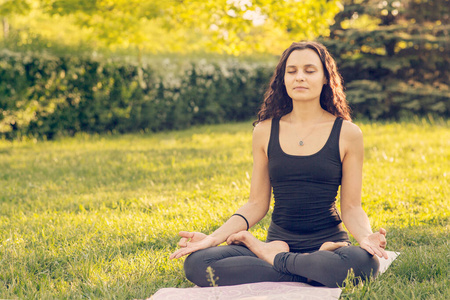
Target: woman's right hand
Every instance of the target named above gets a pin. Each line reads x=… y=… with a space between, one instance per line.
x=191 y=242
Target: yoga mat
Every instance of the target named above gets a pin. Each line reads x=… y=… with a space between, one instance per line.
x=261 y=290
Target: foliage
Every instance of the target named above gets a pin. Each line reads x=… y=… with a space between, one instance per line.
x=246 y=27
x=394 y=56
x=45 y=95
x=152 y=26
x=96 y=216
x=8 y=7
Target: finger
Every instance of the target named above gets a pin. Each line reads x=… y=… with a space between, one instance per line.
x=368 y=249
x=198 y=236
x=234 y=241
x=383 y=253
x=377 y=252
x=177 y=255
x=382 y=241
x=230 y=239
x=186 y=234
x=180 y=253
x=382 y=231
x=174 y=255
x=183 y=242
x=185 y=237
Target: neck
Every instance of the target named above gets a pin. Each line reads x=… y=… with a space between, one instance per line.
x=306 y=113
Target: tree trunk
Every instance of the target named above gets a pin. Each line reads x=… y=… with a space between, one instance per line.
x=5 y=28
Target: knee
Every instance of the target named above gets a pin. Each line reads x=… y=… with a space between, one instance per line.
x=363 y=263
x=195 y=269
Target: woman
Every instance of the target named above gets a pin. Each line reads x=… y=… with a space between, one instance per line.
x=304 y=147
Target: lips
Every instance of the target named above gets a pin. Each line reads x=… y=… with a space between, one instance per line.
x=300 y=88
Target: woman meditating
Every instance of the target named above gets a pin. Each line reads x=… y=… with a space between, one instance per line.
x=304 y=147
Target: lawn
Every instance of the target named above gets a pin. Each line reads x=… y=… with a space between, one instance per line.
x=96 y=216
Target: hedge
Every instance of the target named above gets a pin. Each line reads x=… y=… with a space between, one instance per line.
x=48 y=96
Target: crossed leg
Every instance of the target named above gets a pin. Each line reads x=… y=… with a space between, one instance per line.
x=268 y=251
x=256 y=261
x=232 y=264
x=329 y=266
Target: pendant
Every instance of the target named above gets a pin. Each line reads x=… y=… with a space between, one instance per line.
x=301 y=143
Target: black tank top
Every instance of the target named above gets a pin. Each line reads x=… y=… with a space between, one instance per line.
x=305 y=187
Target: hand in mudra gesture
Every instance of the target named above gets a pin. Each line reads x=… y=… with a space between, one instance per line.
x=375 y=243
x=191 y=242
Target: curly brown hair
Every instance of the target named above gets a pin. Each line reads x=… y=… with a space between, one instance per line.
x=277 y=102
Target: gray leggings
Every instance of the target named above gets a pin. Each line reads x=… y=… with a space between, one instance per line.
x=235 y=264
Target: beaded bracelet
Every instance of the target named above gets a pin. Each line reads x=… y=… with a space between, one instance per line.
x=248 y=226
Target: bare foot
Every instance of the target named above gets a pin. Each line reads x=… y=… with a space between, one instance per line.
x=265 y=251
x=331 y=246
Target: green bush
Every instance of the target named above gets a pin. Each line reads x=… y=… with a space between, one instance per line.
x=44 y=95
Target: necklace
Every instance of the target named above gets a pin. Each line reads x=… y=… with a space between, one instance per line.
x=301 y=142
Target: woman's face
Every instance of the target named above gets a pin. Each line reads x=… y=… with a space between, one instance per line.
x=304 y=76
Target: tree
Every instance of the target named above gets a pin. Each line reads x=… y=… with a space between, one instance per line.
x=394 y=56
x=11 y=7
x=244 y=26
x=224 y=26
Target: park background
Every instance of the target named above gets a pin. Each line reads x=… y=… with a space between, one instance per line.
x=123 y=122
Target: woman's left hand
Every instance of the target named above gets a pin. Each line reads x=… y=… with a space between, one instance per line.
x=375 y=243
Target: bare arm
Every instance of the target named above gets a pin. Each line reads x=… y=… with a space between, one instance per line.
x=353 y=215
x=254 y=210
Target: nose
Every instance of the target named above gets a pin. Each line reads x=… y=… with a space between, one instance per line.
x=300 y=76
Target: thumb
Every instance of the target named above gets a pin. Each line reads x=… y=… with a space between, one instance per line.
x=185 y=237
x=186 y=234
x=382 y=238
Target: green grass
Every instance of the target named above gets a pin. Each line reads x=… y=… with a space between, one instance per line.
x=97 y=216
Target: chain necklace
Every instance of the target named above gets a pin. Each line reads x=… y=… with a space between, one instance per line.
x=301 y=142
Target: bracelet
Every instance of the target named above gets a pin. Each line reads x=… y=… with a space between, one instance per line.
x=248 y=226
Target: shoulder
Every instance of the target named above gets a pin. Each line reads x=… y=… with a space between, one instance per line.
x=351 y=141
x=261 y=133
x=350 y=132
x=262 y=128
